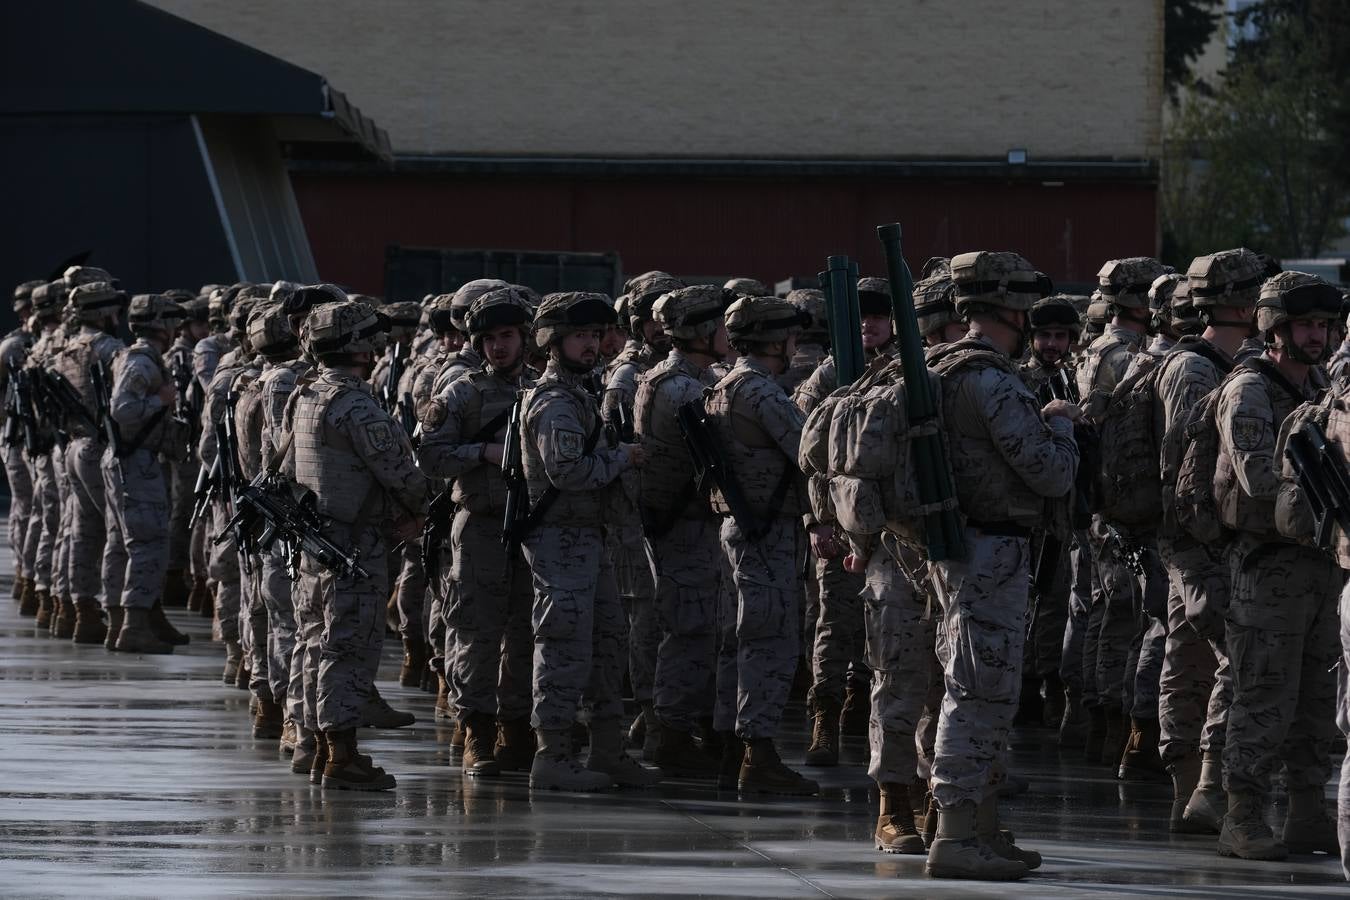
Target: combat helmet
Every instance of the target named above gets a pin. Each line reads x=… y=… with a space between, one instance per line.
x=23 y=295
x=996 y=279
x=75 y=276
x=96 y=300
x=404 y=316
x=1226 y=278
x=1125 y=283
x=48 y=300
x=810 y=301
x=343 y=328
x=643 y=291
x=691 y=313
x=1094 y=320
x=463 y=299
x=1055 y=311
x=561 y=314
x=874 y=296
x=763 y=320
x=935 y=303
x=270 y=334
x=747 y=287
x=153 y=313
x=501 y=308
x=1296 y=295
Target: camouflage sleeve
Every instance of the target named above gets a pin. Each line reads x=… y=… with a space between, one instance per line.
x=445 y=451
x=108 y=347
x=135 y=395
x=380 y=374
x=776 y=414
x=205 y=358
x=819 y=385
x=381 y=444
x=1247 y=432
x=1042 y=453
x=620 y=391
x=560 y=437
x=213 y=408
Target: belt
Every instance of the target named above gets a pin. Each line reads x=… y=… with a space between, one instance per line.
x=1000 y=529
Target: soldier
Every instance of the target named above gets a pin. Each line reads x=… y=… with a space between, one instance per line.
x=813 y=344
x=488 y=648
x=1338 y=366
x=1281 y=633
x=759 y=430
x=359 y=464
x=13 y=352
x=206 y=355
x=184 y=578
x=579 y=628
x=1008 y=456
x=681 y=529
x=133 y=477
x=647 y=345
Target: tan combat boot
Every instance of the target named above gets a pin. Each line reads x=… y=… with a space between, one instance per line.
x=43 y=616
x=175 y=589
x=958 y=852
x=414 y=662
x=349 y=770
x=1308 y=828
x=514 y=750
x=608 y=756
x=89 y=626
x=680 y=757
x=1141 y=761
x=556 y=768
x=762 y=772
x=1208 y=804
x=116 y=615
x=16 y=589
x=1245 y=833
x=895 y=831
x=1185 y=774
x=290 y=735
x=443 y=712
x=136 y=635
x=28 y=600
x=163 y=628
x=63 y=623
x=480 y=738
x=824 y=749
x=318 y=761
x=269 y=720
x=234 y=659
x=306 y=745
x=1000 y=841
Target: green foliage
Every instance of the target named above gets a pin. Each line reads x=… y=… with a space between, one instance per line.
x=1187 y=28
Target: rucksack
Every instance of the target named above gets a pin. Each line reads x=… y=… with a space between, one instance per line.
x=1128 y=487
x=1176 y=438
x=1193 y=507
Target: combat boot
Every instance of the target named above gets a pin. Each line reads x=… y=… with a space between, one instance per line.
x=377 y=713
x=208 y=607
x=895 y=831
x=1073 y=723
x=824 y=749
x=234 y=659
x=729 y=770
x=43 y=617
x=1308 y=828
x=762 y=772
x=637 y=731
x=269 y=720
x=89 y=627
x=555 y=766
x=680 y=757
x=958 y=852
x=136 y=635
x=116 y=614
x=175 y=589
x=349 y=770
x=320 y=759
x=306 y=747
x=63 y=623
x=1245 y=833
x=930 y=821
x=244 y=675
x=16 y=589
x=608 y=756
x=393 y=619
x=443 y=712
x=414 y=662
x=289 y=736
x=1001 y=841
x=1096 y=733
x=163 y=628
x=1185 y=774
x=1206 y=808
x=857 y=709
x=480 y=736
x=1140 y=761
x=515 y=745
x=1113 y=741
x=28 y=600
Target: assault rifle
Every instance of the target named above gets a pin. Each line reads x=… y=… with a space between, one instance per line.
x=440 y=516
x=406 y=415
x=99 y=377
x=517 y=514
x=711 y=463
x=1129 y=552
x=206 y=491
x=398 y=364
x=1321 y=473
x=267 y=512
x=13 y=434
x=23 y=410
x=64 y=403
x=188 y=403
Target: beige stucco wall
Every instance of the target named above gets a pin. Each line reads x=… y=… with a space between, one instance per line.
x=713 y=78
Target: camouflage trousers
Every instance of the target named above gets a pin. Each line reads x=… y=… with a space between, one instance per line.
x=840 y=633
x=88 y=523
x=1073 y=650
x=1343 y=722
x=1116 y=621
x=901 y=630
x=274 y=642
x=139 y=501
x=636 y=585
x=1196 y=686
x=580 y=631
x=223 y=566
x=687 y=561
x=984 y=608
x=410 y=592
x=20 y=503
x=767 y=581
x=1050 y=615
x=253 y=627
x=489 y=643
x=302 y=690
x=724 y=700
x=343 y=625
x=182 y=478
x=45 y=521
x=1282 y=641
x=63 y=559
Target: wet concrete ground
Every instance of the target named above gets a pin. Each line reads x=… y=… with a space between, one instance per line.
x=130 y=776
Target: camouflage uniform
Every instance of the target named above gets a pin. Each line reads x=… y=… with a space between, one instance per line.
x=182 y=476
x=13 y=351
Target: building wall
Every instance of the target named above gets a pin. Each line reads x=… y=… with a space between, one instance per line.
x=709 y=78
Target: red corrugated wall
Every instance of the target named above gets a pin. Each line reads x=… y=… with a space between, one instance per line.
x=767 y=229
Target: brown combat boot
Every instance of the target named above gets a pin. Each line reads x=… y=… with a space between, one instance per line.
x=16 y=589
x=1208 y=804
x=392 y=617
x=175 y=589
x=194 y=600
x=762 y=772
x=89 y=626
x=28 y=600
x=1245 y=833
x=163 y=628
x=609 y=757
x=269 y=720
x=306 y=745
x=998 y=839
x=414 y=662
x=824 y=749
x=208 y=608
x=43 y=616
x=137 y=636
x=1140 y=761
x=515 y=747
x=234 y=661
x=480 y=738
x=1308 y=828
x=290 y=736
x=958 y=851
x=63 y=624
x=443 y=712
x=116 y=615
x=1185 y=774
x=895 y=831
x=349 y=770
x=680 y=757
x=319 y=761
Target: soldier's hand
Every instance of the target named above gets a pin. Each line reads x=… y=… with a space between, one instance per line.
x=637 y=454
x=823 y=544
x=492 y=453
x=1062 y=408
x=407 y=528
x=168 y=393
x=855 y=564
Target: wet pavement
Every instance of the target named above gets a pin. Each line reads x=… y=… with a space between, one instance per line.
x=136 y=776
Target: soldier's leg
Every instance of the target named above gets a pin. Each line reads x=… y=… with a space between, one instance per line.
x=114 y=563
x=836 y=647
x=1071 y=672
x=515 y=741
x=32 y=532
x=1119 y=630
x=637 y=593
x=353 y=632
x=88 y=530
x=566 y=564
x=48 y=500
x=275 y=589
x=61 y=567
x=410 y=591
x=1307 y=746
x=224 y=570
x=724 y=706
x=145 y=524
x=182 y=479
x=20 y=504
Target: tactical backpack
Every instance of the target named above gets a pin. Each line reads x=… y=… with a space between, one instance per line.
x=1184 y=430
x=1128 y=487
x=1194 y=509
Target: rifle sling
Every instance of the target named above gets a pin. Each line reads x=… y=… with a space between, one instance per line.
x=135 y=443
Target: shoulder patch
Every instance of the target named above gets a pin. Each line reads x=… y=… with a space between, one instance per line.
x=1247 y=432
x=436 y=414
x=570 y=444
x=380 y=436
